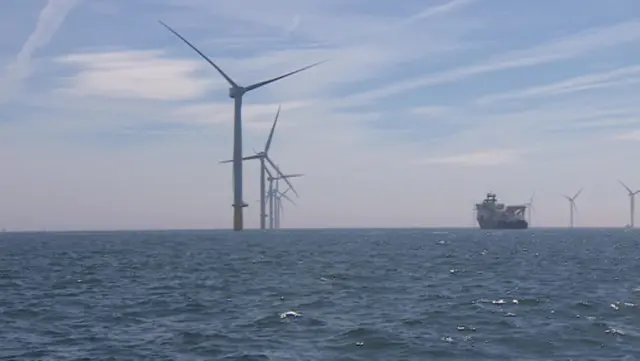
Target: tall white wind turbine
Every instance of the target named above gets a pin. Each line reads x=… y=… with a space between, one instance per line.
x=632 y=203
x=572 y=206
x=236 y=92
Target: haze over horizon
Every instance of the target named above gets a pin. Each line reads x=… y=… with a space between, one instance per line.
x=108 y=121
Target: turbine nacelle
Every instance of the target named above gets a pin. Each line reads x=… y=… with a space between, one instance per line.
x=236 y=92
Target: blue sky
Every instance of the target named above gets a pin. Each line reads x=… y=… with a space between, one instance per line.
x=108 y=121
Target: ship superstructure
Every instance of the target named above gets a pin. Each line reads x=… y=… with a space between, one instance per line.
x=491 y=214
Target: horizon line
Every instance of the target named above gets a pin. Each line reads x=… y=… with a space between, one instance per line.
x=258 y=230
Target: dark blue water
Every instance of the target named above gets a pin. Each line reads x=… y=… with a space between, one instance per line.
x=353 y=295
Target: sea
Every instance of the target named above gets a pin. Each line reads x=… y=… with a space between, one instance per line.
x=350 y=294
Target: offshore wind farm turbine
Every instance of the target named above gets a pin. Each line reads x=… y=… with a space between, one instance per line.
x=236 y=92
x=274 y=190
x=572 y=206
x=279 y=209
x=632 y=205
x=264 y=156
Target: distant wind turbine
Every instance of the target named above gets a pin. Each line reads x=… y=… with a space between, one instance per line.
x=236 y=92
x=264 y=156
x=274 y=191
x=279 y=209
x=530 y=207
x=632 y=202
x=572 y=206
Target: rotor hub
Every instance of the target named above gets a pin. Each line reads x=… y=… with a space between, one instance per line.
x=235 y=92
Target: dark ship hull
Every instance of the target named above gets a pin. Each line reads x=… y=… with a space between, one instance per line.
x=515 y=224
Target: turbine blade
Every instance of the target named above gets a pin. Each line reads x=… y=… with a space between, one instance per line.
x=244 y=158
x=282 y=176
x=273 y=128
x=289 y=199
x=636 y=192
x=263 y=83
x=268 y=172
x=625 y=186
x=577 y=194
x=229 y=80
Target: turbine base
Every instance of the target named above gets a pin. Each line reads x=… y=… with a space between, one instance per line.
x=238 y=221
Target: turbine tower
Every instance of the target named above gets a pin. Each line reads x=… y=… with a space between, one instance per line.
x=264 y=156
x=632 y=202
x=236 y=92
x=530 y=207
x=572 y=206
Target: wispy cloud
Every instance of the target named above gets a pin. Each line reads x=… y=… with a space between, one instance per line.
x=428 y=111
x=546 y=125
x=559 y=49
x=429 y=12
x=50 y=19
x=622 y=76
x=136 y=74
x=475 y=159
x=633 y=135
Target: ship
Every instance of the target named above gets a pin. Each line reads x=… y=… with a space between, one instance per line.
x=493 y=215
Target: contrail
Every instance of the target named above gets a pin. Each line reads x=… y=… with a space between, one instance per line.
x=444 y=8
x=450 y=6
x=49 y=20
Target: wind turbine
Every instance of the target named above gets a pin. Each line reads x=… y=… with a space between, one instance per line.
x=264 y=156
x=236 y=92
x=274 y=190
x=632 y=202
x=530 y=206
x=572 y=206
x=279 y=209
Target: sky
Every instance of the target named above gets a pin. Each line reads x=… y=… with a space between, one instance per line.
x=108 y=121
